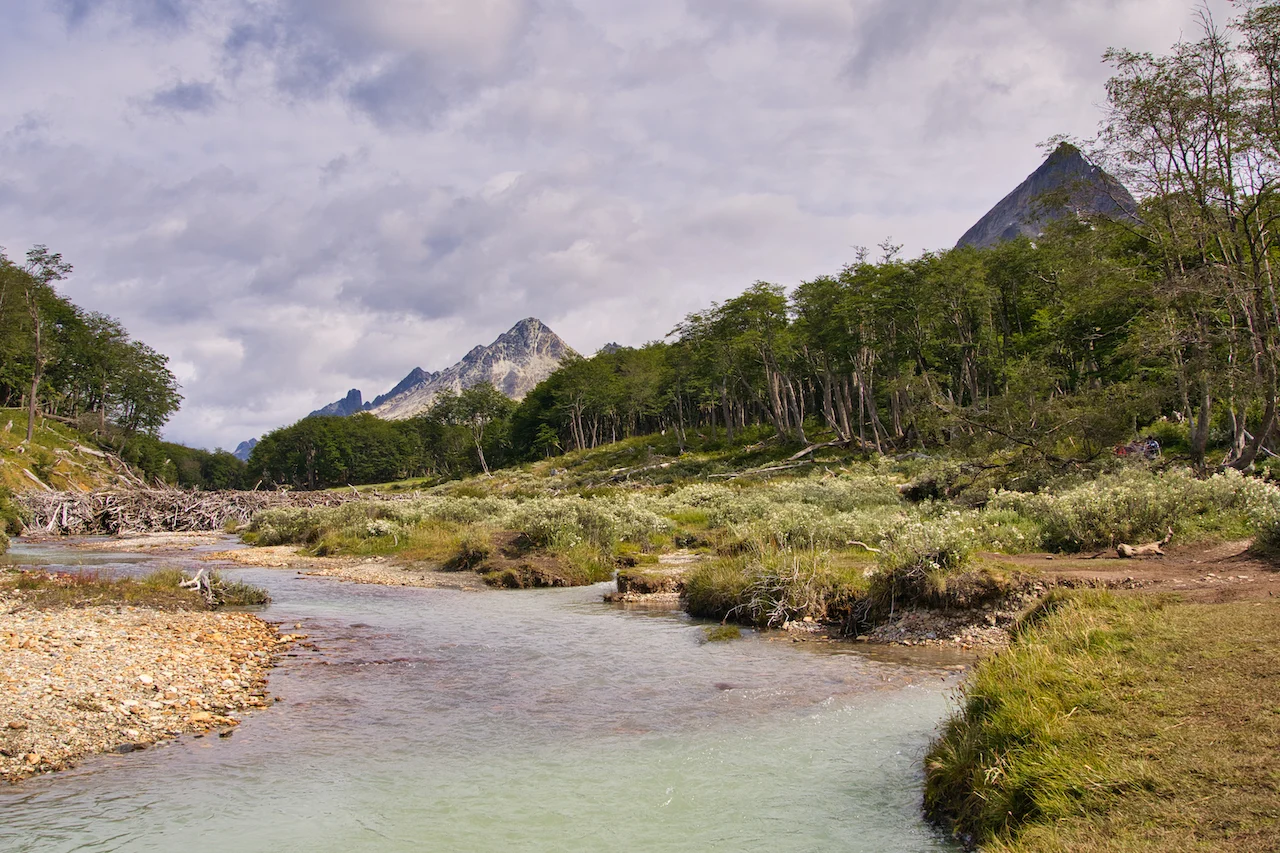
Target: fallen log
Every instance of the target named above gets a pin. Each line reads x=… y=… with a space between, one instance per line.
x=1151 y=549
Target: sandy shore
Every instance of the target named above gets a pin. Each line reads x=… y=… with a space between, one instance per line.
x=80 y=681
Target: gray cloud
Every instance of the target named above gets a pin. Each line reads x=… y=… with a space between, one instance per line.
x=364 y=188
x=183 y=97
x=151 y=14
x=401 y=63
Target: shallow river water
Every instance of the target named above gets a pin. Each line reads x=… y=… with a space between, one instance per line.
x=525 y=721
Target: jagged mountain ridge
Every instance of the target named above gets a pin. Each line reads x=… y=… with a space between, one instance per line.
x=1067 y=183
x=518 y=360
x=348 y=405
x=416 y=379
x=244 y=448
x=354 y=402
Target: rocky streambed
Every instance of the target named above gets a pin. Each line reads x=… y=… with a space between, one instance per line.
x=80 y=681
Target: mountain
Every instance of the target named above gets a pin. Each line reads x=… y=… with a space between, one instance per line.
x=244 y=448
x=517 y=361
x=1067 y=183
x=416 y=379
x=348 y=405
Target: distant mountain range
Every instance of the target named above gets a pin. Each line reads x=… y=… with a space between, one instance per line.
x=518 y=360
x=1066 y=184
x=244 y=448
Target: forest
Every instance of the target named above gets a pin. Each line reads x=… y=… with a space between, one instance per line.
x=83 y=368
x=1054 y=350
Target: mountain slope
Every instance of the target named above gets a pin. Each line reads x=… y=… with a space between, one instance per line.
x=58 y=458
x=1067 y=183
x=517 y=361
x=348 y=405
x=416 y=379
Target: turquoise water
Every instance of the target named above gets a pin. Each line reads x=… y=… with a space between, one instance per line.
x=543 y=720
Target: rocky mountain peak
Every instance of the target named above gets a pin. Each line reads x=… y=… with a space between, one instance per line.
x=515 y=362
x=1067 y=183
x=348 y=405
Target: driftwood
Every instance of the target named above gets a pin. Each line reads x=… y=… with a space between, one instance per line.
x=1151 y=549
x=768 y=470
x=112 y=511
x=201 y=584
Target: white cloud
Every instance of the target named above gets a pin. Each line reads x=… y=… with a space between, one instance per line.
x=295 y=197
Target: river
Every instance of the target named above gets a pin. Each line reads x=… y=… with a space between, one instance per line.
x=442 y=720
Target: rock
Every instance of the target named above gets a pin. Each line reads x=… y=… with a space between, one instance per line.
x=18 y=725
x=201 y=717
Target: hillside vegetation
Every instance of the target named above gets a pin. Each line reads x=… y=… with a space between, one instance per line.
x=58 y=456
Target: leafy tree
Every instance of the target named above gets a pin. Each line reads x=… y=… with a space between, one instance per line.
x=478 y=408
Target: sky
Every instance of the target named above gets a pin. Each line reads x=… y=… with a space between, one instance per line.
x=292 y=198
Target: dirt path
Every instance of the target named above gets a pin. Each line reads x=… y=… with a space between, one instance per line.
x=1208 y=574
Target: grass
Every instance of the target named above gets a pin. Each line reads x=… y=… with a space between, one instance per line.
x=768 y=587
x=585 y=515
x=721 y=633
x=1119 y=724
x=159 y=590
x=56 y=455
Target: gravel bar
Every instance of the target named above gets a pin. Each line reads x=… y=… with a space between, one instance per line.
x=80 y=681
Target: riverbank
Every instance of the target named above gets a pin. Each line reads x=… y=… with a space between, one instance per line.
x=77 y=681
x=1120 y=722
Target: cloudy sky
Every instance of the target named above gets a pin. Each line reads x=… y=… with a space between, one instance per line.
x=291 y=198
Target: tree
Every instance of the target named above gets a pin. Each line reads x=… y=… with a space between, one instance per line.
x=33 y=284
x=1195 y=133
x=478 y=408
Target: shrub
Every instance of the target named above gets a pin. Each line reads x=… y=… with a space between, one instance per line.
x=13 y=516
x=917 y=559
x=565 y=522
x=236 y=593
x=473 y=550
x=1136 y=505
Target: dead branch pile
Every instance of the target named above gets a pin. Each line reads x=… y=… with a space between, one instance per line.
x=113 y=512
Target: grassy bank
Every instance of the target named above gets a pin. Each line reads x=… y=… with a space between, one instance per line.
x=58 y=457
x=841 y=542
x=159 y=590
x=1119 y=724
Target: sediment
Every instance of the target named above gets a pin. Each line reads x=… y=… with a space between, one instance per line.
x=80 y=681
